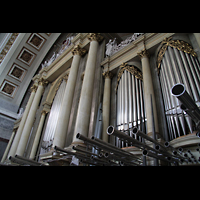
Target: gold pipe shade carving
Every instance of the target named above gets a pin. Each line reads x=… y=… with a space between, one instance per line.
x=179 y=44
x=133 y=70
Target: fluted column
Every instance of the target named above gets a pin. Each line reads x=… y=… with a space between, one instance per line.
x=148 y=91
x=38 y=134
x=30 y=119
x=106 y=104
x=63 y=119
x=22 y=122
x=84 y=108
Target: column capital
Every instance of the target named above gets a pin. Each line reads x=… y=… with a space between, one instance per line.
x=42 y=81
x=108 y=74
x=44 y=112
x=34 y=88
x=95 y=37
x=143 y=53
x=77 y=50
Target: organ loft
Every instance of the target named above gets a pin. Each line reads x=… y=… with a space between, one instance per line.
x=100 y=99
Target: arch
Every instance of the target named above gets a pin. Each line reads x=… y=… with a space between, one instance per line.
x=178 y=63
x=130 y=68
x=179 y=44
x=55 y=85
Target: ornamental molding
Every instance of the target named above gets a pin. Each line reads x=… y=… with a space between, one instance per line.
x=133 y=70
x=178 y=44
x=7 y=47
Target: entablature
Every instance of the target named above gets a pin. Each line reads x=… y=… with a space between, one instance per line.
x=146 y=41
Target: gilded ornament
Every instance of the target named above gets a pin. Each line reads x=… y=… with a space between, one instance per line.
x=179 y=44
x=42 y=82
x=34 y=88
x=133 y=70
x=95 y=36
x=143 y=53
x=78 y=50
x=108 y=74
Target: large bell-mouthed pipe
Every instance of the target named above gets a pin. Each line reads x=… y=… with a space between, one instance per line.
x=188 y=104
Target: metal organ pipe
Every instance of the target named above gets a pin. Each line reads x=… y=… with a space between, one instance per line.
x=130 y=106
x=178 y=67
x=194 y=77
x=53 y=117
x=134 y=100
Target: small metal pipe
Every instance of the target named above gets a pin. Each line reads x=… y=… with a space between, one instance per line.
x=153 y=155
x=112 y=146
x=29 y=160
x=113 y=149
x=140 y=133
x=22 y=162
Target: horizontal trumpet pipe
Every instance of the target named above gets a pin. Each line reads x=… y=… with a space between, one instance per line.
x=112 y=131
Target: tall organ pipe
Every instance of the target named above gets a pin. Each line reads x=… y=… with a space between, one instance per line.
x=134 y=100
x=164 y=91
x=130 y=106
x=126 y=121
x=171 y=73
x=194 y=77
x=169 y=83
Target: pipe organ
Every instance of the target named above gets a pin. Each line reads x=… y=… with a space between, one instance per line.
x=146 y=122
x=130 y=101
x=53 y=119
x=179 y=67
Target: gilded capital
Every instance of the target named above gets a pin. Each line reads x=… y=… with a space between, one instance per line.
x=42 y=82
x=143 y=53
x=77 y=50
x=108 y=74
x=34 y=88
x=43 y=112
x=95 y=36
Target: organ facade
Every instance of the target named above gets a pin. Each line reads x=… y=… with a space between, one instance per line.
x=106 y=100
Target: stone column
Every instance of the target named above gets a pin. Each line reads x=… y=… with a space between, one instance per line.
x=30 y=119
x=22 y=122
x=148 y=90
x=106 y=104
x=197 y=36
x=38 y=134
x=8 y=146
x=63 y=119
x=84 y=108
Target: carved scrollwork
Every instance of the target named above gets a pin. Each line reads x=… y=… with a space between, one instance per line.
x=179 y=44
